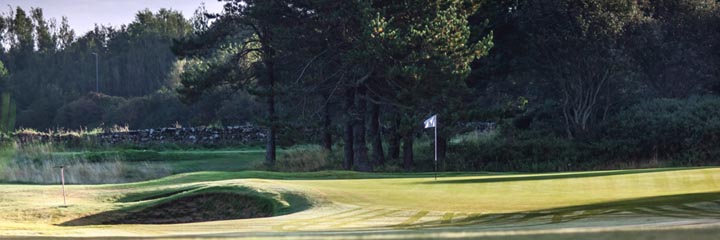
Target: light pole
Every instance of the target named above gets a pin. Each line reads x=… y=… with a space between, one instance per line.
x=97 y=74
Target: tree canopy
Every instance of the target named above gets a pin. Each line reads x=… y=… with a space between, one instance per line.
x=555 y=76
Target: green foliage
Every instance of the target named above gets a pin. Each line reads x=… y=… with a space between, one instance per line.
x=304 y=158
x=159 y=109
x=86 y=111
x=653 y=133
x=7 y=113
x=22 y=29
x=671 y=48
x=562 y=79
x=684 y=130
x=45 y=41
x=7 y=104
x=534 y=154
x=4 y=75
x=134 y=60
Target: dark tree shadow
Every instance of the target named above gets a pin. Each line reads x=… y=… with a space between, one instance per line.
x=648 y=206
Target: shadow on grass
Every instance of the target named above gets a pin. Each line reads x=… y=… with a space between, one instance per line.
x=674 y=206
x=554 y=176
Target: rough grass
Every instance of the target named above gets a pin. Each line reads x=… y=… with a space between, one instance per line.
x=304 y=158
x=633 y=204
x=37 y=164
x=182 y=161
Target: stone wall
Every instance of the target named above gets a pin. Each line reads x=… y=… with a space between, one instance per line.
x=232 y=135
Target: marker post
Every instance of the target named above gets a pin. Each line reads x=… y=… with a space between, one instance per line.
x=62 y=181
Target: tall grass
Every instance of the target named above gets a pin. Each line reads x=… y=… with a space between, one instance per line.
x=304 y=158
x=476 y=137
x=68 y=132
x=38 y=163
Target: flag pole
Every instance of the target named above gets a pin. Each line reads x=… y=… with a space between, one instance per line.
x=436 y=160
x=62 y=179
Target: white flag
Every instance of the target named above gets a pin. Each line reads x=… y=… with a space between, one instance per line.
x=431 y=122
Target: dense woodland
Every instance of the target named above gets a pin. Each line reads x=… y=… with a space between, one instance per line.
x=571 y=84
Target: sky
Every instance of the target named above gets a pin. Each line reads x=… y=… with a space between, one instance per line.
x=83 y=14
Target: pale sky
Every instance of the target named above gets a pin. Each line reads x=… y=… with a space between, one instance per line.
x=83 y=14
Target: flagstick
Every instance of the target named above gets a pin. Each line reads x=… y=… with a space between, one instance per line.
x=62 y=179
x=436 y=127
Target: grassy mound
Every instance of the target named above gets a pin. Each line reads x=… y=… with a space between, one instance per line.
x=152 y=195
x=201 y=207
x=191 y=204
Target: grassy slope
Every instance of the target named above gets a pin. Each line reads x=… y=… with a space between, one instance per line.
x=484 y=192
x=228 y=160
x=477 y=203
x=518 y=192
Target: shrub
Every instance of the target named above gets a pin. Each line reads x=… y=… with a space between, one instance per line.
x=304 y=158
x=686 y=131
x=239 y=108
x=535 y=154
x=162 y=108
x=86 y=111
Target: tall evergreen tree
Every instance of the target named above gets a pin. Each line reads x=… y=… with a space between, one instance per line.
x=254 y=26
x=46 y=41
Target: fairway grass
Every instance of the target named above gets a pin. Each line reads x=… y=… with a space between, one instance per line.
x=625 y=204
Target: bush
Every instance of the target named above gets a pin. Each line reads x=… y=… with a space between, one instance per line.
x=526 y=154
x=86 y=111
x=239 y=108
x=655 y=133
x=304 y=158
x=685 y=131
x=162 y=108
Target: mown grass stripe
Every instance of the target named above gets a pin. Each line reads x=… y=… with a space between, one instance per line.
x=447 y=218
x=365 y=218
x=499 y=218
x=667 y=211
x=697 y=211
x=332 y=219
x=414 y=218
x=470 y=217
x=304 y=222
x=473 y=218
x=654 y=212
x=584 y=214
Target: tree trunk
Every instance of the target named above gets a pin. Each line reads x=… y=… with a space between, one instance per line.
x=348 y=132
x=361 y=158
x=408 y=150
x=378 y=153
x=327 y=129
x=270 y=149
x=394 y=141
